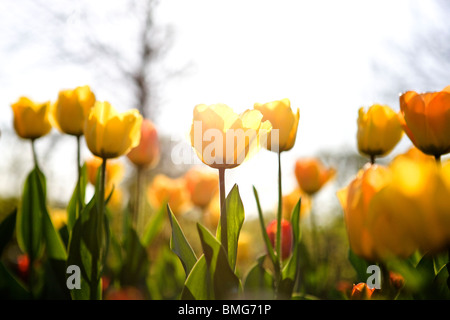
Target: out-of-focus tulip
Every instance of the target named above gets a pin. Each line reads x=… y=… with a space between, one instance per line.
x=244 y=247
x=361 y=292
x=72 y=108
x=110 y=134
x=202 y=186
x=290 y=201
x=379 y=130
x=345 y=287
x=355 y=200
x=283 y=119
x=114 y=173
x=23 y=266
x=426 y=120
x=415 y=154
x=173 y=191
x=31 y=119
x=312 y=175
x=126 y=293
x=58 y=217
x=212 y=214
x=146 y=154
x=222 y=138
x=396 y=280
x=406 y=214
x=286 y=236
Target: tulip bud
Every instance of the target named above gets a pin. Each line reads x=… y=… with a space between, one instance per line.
x=146 y=154
x=286 y=237
x=23 y=266
x=312 y=175
x=31 y=119
x=361 y=292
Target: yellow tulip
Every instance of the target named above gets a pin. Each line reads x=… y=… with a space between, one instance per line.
x=202 y=186
x=426 y=120
x=146 y=154
x=290 y=201
x=415 y=154
x=212 y=213
x=173 y=191
x=283 y=119
x=222 y=138
x=31 y=119
x=312 y=175
x=110 y=134
x=114 y=173
x=379 y=130
x=355 y=200
x=58 y=217
x=72 y=108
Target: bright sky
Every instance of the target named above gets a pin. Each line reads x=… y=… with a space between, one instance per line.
x=316 y=53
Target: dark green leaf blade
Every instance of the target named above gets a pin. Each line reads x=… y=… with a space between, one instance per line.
x=7 y=227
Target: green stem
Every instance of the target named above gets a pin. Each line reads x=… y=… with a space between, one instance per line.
x=279 y=213
x=80 y=201
x=372 y=159
x=35 y=159
x=223 y=211
x=137 y=206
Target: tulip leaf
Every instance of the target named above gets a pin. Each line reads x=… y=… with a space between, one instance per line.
x=154 y=226
x=10 y=286
x=7 y=227
x=225 y=283
x=360 y=265
x=198 y=283
x=259 y=283
x=135 y=263
x=235 y=220
x=441 y=283
x=77 y=201
x=267 y=242
x=291 y=269
x=179 y=244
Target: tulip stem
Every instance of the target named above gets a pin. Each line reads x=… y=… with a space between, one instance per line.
x=33 y=148
x=223 y=211
x=80 y=201
x=372 y=159
x=279 y=213
x=137 y=206
x=438 y=159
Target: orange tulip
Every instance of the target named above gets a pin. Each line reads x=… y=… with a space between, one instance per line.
x=114 y=173
x=361 y=292
x=286 y=236
x=290 y=201
x=146 y=154
x=202 y=186
x=312 y=175
x=426 y=120
x=173 y=191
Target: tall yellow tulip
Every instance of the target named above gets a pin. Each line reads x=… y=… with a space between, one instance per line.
x=426 y=120
x=283 y=119
x=110 y=134
x=72 y=108
x=379 y=131
x=31 y=119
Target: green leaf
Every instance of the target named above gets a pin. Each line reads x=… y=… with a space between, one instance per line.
x=136 y=263
x=10 y=286
x=154 y=226
x=7 y=227
x=198 y=283
x=179 y=244
x=235 y=220
x=225 y=283
x=360 y=265
x=441 y=284
x=267 y=242
x=259 y=283
x=78 y=196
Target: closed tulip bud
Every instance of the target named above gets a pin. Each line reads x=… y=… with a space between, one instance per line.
x=355 y=200
x=146 y=154
x=283 y=119
x=202 y=186
x=222 y=138
x=71 y=110
x=173 y=191
x=286 y=237
x=31 y=119
x=23 y=266
x=110 y=134
x=426 y=120
x=361 y=292
x=379 y=130
x=312 y=175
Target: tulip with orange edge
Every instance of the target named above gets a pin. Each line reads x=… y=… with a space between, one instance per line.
x=290 y=200
x=223 y=139
x=146 y=154
x=361 y=291
x=172 y=191
x=113 y=175
x=426 y=120
x=379 y=131
x=312 y=175
x=202 y=186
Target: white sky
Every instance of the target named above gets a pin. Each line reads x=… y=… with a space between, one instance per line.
x=316 y=53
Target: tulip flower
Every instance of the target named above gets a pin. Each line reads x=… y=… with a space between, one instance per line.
x=202 y=186
x=223 y=139
x=283 y=119
x=72 y=108
x=379 y=131
x=244 y=247
x=414 y=154
x=426 y=120
x=312 y=175
x=290 y=201
x=146 y=153
x=31 y=119
x=173 y=191
x=113 y=175
x=361 y=291
x=58 y=217
x=110 y=134
x=355 y=200
x=286 y=236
